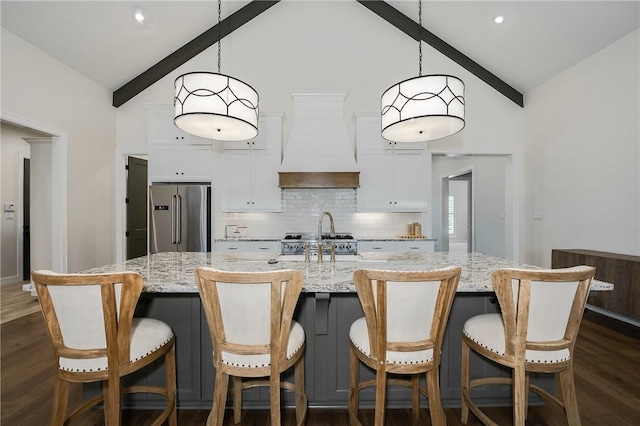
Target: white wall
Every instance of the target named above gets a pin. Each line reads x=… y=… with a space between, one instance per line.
x=41 y=193
x=583 y=156
x=40 y=89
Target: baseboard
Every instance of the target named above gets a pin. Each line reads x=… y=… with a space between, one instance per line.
x=624 y=325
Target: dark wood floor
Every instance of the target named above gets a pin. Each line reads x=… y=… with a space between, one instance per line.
x=607 y=376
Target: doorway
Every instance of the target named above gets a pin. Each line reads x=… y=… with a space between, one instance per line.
x=459 y=204
x=492 y=206
x=47 y=169
x=457 y=233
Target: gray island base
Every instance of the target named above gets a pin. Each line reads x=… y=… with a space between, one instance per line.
x=326 y=309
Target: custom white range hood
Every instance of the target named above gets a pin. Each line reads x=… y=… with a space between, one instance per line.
x=319 y=153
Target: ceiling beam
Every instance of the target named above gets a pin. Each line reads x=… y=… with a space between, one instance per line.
x=190 y=50
x=411 y=28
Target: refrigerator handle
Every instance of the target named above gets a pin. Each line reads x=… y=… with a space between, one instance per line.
x=179 y=220
x=173 y=219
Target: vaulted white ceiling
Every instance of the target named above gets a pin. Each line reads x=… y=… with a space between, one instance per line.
x=536 y=41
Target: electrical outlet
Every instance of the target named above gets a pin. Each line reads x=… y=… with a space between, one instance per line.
x=537 y=215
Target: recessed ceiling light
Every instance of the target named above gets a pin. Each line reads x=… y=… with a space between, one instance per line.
x=498 y=19
x=139 y=16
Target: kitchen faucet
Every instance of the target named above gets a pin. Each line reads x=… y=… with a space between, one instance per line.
x=332 y=234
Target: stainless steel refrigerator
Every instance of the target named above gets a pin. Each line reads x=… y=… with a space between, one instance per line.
x=180 y=217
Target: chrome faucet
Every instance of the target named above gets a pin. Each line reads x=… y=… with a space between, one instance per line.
x=332 y=235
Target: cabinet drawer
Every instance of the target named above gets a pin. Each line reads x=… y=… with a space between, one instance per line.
x=266 y=246
x=396 y=246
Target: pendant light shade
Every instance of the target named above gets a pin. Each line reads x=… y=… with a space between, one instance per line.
x=216 y=106
x=423 y=108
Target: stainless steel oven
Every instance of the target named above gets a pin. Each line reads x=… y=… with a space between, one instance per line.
x=295 y=243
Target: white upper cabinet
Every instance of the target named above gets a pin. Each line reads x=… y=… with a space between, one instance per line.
x=394 y=177
x=250 y=169
x=174 y=155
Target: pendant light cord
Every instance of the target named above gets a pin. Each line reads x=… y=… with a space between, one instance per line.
x=419 y=38
x=219 y=37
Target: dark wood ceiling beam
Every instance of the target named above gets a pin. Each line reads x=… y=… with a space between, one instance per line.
x=410 y=28
x=190 y=50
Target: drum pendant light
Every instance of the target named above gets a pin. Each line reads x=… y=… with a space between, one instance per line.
x=214 y=105
x=423 y=108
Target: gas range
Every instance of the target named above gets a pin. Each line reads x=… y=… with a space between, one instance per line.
x=294 y=243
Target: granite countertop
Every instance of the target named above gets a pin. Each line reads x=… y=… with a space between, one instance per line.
x=173 y=272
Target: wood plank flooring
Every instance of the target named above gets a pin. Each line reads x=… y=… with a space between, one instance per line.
x=15 y=303
x=606 y=373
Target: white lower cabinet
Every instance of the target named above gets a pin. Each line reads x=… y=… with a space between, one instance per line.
x=264 y=246
x=400 y=246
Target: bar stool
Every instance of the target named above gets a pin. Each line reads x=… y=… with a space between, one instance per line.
x=95 y=338
x=406 y=314
x=254 y=336
x=536 y=332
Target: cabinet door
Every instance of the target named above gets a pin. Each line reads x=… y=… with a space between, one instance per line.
x=411 y=175
x=236 y=181
x=163 y=164
x=180 y=163
x=265 y=192
x=161 y=127
x=238 y=144
x=376 y=186
x=249 y=246
x=196 y=163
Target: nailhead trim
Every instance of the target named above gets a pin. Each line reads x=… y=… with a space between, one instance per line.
x=394 y=362
x=262 y=365
x=545 y=361
x=73 y=370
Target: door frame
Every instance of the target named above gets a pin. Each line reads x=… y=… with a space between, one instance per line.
x=59 y=155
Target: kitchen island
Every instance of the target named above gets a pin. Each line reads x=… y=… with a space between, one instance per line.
x=326 y=309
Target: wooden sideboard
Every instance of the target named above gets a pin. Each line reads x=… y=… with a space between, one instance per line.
x=620 y=269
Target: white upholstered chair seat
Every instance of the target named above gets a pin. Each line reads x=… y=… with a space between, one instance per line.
x=487 y=330
x=296 y=342
x=359 y=336
x=147 y=336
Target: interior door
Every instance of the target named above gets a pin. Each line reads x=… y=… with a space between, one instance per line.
x=136 y=201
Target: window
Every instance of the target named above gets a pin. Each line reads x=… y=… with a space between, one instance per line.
x=452 y=215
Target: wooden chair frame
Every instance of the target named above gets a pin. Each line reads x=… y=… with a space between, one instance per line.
x=118 y=331
x=375 y=310
x=516 y=324
x=283 y=303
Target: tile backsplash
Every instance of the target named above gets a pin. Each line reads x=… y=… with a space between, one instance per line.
x=301 y=209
